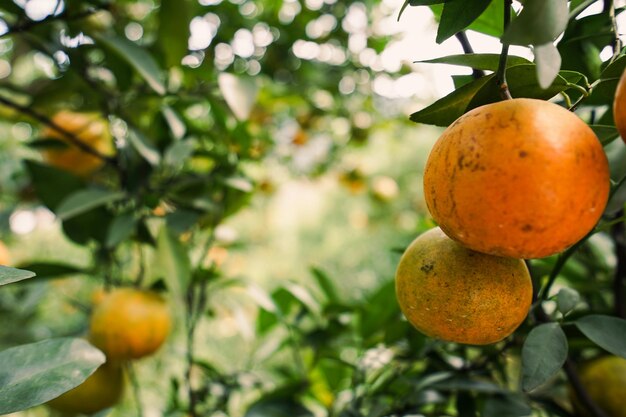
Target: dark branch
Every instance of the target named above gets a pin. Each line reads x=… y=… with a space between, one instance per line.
x=71 y=137
x=467 y=48
x=29 y=24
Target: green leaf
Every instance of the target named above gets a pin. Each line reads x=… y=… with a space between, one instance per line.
x=490 y=22
x=85 y=200
x=543 y=354
x=239 y=92
x=45 y=270
x=548 y=62
x=173 y=261
x=52 y=185
x=121 y=228
x=173 y=33
x=605 y=133
x=174 y=121
x=284 y=407
x=457 y=15
x=522 y=81
x=137 y=57
x=506 y=406
x=326 y=285
x=539 y=22
x=425 y=2
x=144 y=147
x=487 y=62
x=447 y=109
x=9 y=275
x=605 y=331
x=567 y=299
x=36 y=373
x=179 y=152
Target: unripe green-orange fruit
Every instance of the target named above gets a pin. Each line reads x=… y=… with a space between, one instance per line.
x=129 y=323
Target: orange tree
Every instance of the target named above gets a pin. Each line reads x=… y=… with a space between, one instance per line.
x=186 y=116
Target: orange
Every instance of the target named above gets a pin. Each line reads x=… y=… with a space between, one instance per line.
x=521 y=178
x=452 y=293
x=90 y=129
x=619 y=106
x=605 y=381
x=5 y=255
x=101 y=390
x=129 y=323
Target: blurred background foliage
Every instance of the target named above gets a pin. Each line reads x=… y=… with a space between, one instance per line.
x=267 y=179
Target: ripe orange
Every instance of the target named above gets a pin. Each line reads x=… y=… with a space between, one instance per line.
x=101 y=390
x=129 y=323
x=521 y=178
x=5 y=255
x=90 y=129
x=453 y=293
x=605 y=381
x=619 y=106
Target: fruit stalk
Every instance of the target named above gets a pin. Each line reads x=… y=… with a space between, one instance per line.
x=501 y=73
x=467 y=48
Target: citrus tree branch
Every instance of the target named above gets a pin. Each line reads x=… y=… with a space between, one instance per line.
x=467 y=48
x=71 y=137
x=501 y=73
x=26 y=25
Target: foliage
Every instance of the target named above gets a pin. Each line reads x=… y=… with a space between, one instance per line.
x=202 y=95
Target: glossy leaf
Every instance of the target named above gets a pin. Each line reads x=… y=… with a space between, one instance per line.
x=605 y=331
x=240 y=94
x=36 y=373
x=605 y=133
x=457 y=15
x=543 y=354
x=567 y=299
x=144 y=147
x=539 y=22
x=46 y=270
x=173 y=33
x=173 y=261
x=326 y=284
x=52 y=185
x=506 y=406
x=9 y=275
x=122 y=227
x=449 y=108
x=548 y=62
x=488 y=62
x=85 y=200
x=137 y=57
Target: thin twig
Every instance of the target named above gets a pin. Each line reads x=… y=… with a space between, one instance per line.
x=467 y=48
x=501 y=73
x=581 y=392
x=71 y=136
x=29 y=24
